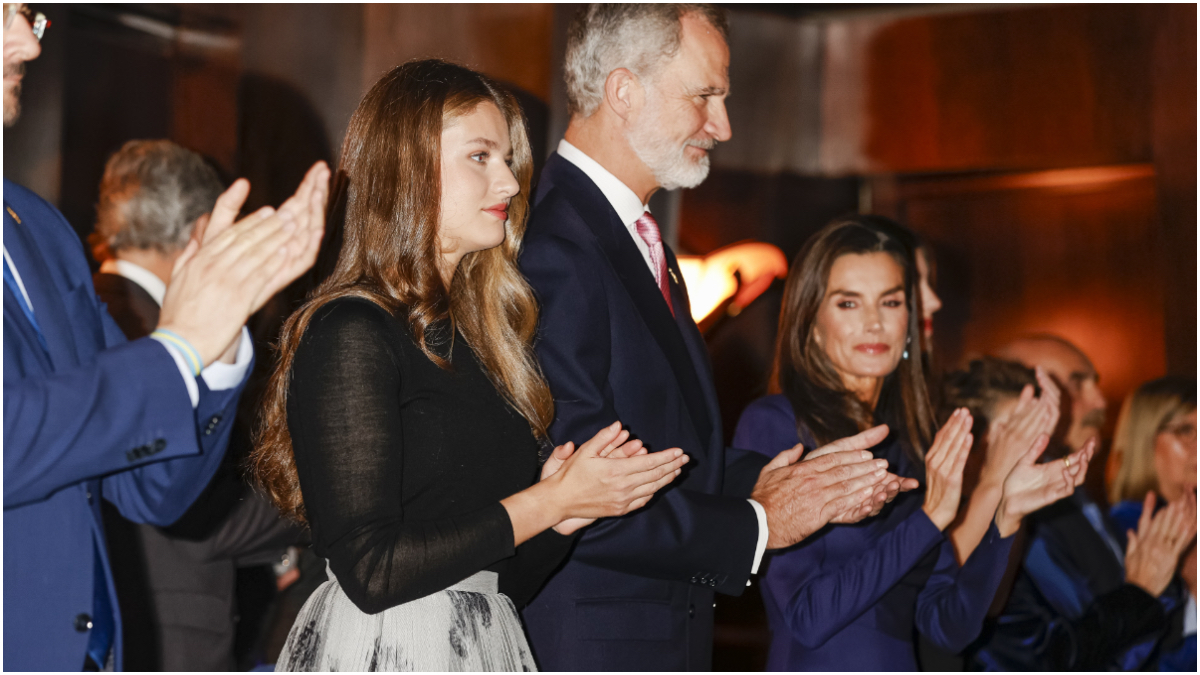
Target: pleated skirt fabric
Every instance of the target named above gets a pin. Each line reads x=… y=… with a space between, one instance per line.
x=467 y=627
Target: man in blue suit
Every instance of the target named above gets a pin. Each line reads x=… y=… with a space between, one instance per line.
x=88 y=415
x=646 y=87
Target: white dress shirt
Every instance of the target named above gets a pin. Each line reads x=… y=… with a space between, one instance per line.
x=629 y=208
x=218 y=376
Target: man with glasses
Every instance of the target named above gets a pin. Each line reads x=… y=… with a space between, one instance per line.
x=89 y=415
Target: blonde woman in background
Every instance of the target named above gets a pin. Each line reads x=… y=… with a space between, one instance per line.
x=1153 y=492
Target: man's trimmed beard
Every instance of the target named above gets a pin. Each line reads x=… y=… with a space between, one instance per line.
x=12 y=105
x=669 y=163
x=12 y=95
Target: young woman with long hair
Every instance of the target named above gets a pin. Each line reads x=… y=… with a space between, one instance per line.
x=850 y=597
x=404 y=415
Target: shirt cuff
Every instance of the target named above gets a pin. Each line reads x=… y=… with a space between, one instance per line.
x=217 y=375
x=763 y=535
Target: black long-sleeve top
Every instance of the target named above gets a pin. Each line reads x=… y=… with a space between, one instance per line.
x=403 y=464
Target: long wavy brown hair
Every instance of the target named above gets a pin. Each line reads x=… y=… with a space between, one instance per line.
x=389 y=179
x=805 y=374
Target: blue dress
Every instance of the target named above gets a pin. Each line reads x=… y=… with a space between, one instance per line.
x=850 y=596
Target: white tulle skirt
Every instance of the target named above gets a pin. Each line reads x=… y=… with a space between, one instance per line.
x=467 y=627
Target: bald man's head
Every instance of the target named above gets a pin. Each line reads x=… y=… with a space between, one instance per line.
x=1084 y=406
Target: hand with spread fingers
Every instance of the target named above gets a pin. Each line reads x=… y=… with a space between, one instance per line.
x=1013 y=434
x=1154 y=550
x=1030 y=485
x=230 y=269
x=801 y=497
x=944 y=465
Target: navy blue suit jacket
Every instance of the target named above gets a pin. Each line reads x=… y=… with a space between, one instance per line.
x=850 y=597
x=637 y=591
x=95 y=417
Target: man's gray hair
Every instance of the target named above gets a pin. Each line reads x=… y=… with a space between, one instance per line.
x=637 y=36
x=150 y=197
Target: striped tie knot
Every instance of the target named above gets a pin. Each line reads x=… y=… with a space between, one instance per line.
x=647 y=227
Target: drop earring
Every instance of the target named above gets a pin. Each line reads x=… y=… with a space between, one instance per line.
x=907 y=342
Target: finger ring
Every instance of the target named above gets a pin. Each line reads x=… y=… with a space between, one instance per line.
x=1067 y=461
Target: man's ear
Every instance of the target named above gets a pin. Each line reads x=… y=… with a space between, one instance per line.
x=623 y=93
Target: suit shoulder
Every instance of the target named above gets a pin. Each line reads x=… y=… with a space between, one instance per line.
x=32 y=209
x=555 y=216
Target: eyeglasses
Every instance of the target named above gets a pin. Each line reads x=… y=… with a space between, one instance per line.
x=37 y=21
x=1184 y=431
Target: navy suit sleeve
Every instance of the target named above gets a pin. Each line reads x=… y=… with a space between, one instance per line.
x=126 y=408
x=954 y=603
x=121 y=414
x=681 y=533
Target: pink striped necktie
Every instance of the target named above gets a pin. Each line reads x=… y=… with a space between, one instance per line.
x=647 y=228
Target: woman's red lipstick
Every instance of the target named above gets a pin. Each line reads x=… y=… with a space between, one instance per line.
x=872 y=347
x=499 y=210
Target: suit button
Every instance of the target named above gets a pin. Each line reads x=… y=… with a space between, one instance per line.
x=691 y=611
x=693 y=580
x=160 y=445
x=83 y=623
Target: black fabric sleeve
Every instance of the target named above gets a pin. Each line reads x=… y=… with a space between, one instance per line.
x=1113 y=623
x=1033 y=635
x=344 y=420
x=523 y=575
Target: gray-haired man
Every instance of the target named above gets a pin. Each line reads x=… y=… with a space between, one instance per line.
x=177 y=585
x=647 y=85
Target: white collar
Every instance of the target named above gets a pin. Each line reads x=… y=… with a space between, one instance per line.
x=139 y=275
x=623 y=200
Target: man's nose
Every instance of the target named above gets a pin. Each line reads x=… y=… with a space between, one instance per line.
x=717 y=125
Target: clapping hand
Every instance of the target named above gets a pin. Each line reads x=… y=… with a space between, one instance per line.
x=944 y=468
x=1013 y=434
x=230 y=269
x=1153 y=552
x=631 y=485
x=1030 y=486
x=885 y=491
x=800 y=498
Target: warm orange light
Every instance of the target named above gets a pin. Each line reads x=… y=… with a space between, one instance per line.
x=710 y=279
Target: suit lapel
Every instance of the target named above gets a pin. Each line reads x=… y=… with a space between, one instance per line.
x=691 y=334
x=43 y=296
x=638 y=280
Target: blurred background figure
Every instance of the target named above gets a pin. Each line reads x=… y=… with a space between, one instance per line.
x=1084 y=404
x=175 y=585
x=1082 y=600
x=1153 y=462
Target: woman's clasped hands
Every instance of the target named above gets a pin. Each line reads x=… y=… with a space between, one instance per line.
x=609 y=475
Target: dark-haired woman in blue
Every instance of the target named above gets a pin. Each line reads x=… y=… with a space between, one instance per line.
x=849 y=597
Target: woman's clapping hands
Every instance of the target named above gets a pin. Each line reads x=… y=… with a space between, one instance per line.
x=609 y=475
x=944 y=468
x=1030 y=486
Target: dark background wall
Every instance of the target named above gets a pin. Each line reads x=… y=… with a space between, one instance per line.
x=1048 y=153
